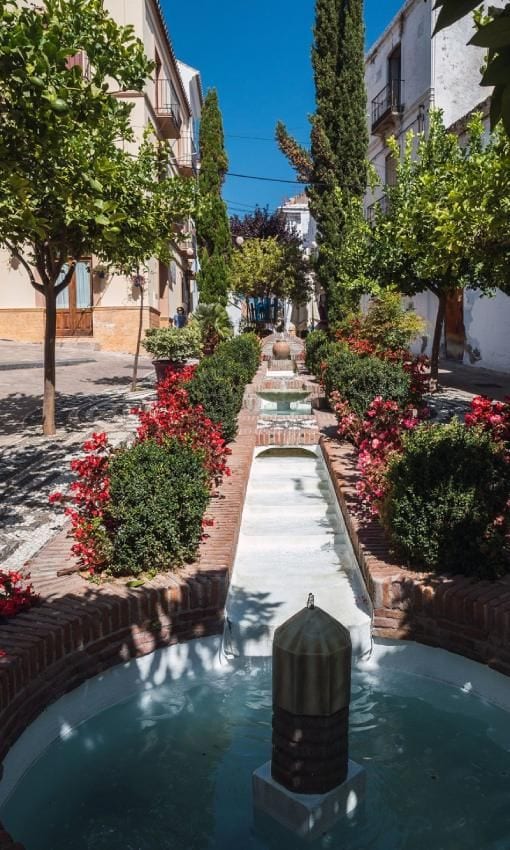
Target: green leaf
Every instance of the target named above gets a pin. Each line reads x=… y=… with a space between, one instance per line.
x=505 y=108
x=136 y=582
x=498 y=70
x=495 y=34
x=452 y=11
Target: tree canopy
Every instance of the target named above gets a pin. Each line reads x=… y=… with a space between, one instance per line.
x=268 y=267
x=443 y=226
x=68 y=188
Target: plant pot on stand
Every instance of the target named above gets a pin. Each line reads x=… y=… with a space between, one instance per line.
x=171 y=348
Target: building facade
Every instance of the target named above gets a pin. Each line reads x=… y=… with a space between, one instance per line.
x=100 y=306
x=407 y=72
x=297 y=213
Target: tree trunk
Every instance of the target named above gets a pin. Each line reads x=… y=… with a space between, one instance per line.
x=138 y=342
x=50 y=333
x=436 y=342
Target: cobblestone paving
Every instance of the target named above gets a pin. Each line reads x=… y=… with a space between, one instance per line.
x=94 y=396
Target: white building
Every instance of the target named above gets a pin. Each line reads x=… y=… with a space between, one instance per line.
x=407 y=72
x=297 y=212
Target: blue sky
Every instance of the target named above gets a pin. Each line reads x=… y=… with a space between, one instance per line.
x=257 y=55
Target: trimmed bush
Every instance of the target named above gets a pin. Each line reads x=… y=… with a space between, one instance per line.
x=446 y=501
x=219 y=381
x=220 y=393
x=317 y=346
x=245 y=349
x=159 y=494
x=360 y=379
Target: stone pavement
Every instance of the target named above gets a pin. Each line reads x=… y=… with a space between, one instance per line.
x=93 y=395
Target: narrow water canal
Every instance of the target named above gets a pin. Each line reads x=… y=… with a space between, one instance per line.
x=293 y=542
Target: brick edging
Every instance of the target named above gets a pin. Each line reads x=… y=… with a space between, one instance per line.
x=79 y=629
x=462 y=615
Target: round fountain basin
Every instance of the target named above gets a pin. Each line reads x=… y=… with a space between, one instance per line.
x=170 y=768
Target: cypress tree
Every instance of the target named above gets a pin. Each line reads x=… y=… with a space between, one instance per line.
x=339 y=137
x=213 y=229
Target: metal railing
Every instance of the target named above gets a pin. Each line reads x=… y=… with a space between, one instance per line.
x=167 y=103
x=382 y=205
x=187 y=153
x=387 y=102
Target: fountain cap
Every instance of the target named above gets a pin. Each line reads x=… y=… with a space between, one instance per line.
x=312 y=664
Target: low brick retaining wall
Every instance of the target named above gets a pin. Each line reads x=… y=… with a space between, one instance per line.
x=81 y=629
x=463 y=615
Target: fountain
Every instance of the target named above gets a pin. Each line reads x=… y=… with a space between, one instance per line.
x=310 y=782
x=285 y=402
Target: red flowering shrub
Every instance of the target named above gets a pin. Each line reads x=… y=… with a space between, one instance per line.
x=170 y=417
x=15 y=594
x=493 y=417
x=379 y=439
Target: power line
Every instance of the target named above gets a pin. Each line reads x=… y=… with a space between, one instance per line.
x=268 y=179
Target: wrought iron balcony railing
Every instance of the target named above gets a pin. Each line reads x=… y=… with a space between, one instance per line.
x=387 y=104
x=168 y=109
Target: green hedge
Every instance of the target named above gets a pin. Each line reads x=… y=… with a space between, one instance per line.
x=360 y=379
x=219 y=381
x=159 y=494
x=445 y=493
x=316 y=350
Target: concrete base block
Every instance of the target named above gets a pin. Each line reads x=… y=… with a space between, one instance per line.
x=308 y=815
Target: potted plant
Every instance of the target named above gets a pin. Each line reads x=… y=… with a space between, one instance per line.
x=215 y=325
x=171 y=348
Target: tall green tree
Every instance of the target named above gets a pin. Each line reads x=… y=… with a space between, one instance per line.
x=213 y=230
x=447 y=219
x=269 y=266
x=67 y=188
x=336 y=167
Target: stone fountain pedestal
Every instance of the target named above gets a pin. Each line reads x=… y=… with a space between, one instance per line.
x=308 y=815
x=310 y=782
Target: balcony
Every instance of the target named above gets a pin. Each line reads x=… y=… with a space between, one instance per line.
x=387 y=107
x=168 y=110
x=186 y=155
x=381 y=207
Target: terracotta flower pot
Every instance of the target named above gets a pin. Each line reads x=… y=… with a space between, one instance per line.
x=281 y=350
x=164 y=368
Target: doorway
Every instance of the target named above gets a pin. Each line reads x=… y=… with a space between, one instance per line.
x=74 y=303
x=455 y=331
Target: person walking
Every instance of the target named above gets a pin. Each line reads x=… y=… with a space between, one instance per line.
x=180 y=318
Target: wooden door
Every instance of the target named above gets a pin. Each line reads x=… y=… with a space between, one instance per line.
x=74 y=304
x=455 y=332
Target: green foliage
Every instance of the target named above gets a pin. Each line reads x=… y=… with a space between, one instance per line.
x=177 y=344
x=68 y=186
x=446 y=493
x=361 y=379
x=317 y=348
x=219 y=381
x=214 y=323
x=270 y=267
x=213 y=229
x=159 y=494
x=337 y=165
x=385 y=324
x=446 y=219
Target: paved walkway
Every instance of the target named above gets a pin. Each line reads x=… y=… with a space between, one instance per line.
x=93 y=395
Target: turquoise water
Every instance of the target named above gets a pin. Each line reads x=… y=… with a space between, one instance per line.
x=171 y=770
